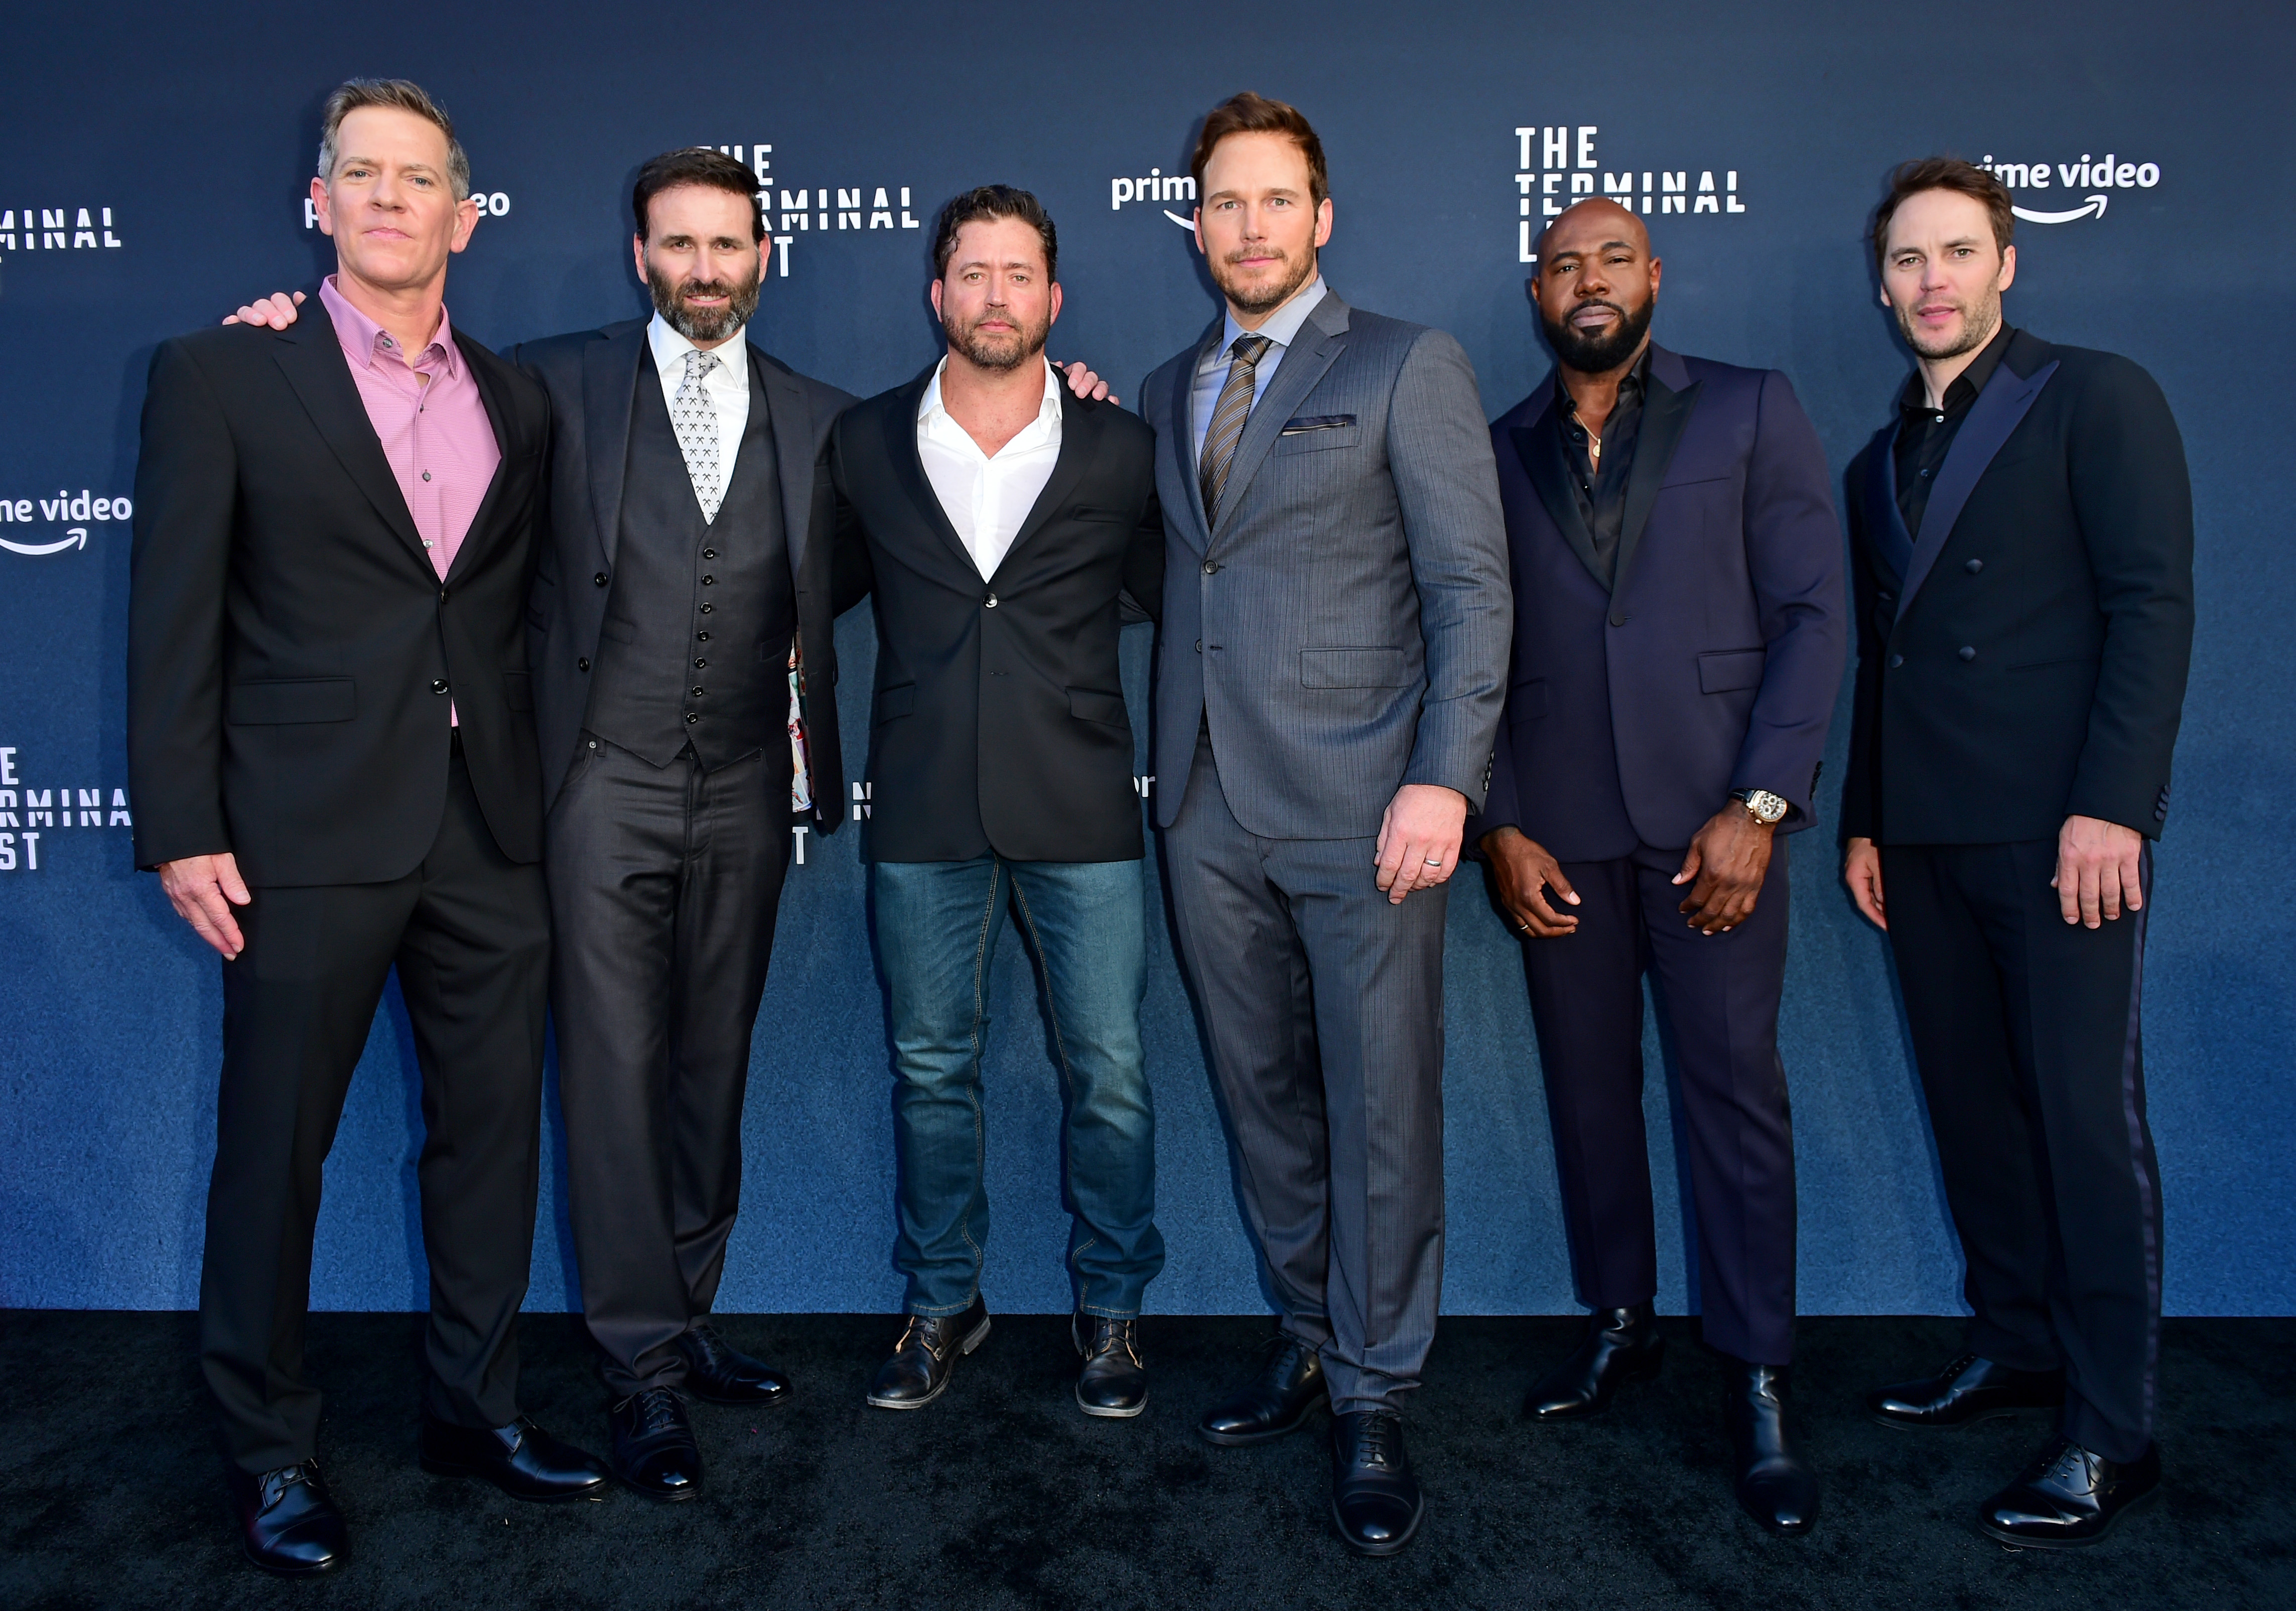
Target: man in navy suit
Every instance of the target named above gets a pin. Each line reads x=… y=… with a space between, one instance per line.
x=1678 y=645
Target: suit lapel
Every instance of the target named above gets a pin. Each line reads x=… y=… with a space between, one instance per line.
x=1320 y=342
x=790 y=413
x=900 y=423
x=1666 y=405
x=610 y=383
x=1892 y=544
x=1999 y=409
x=1180 y=436
x=482 y=534
x=1079 y=441
x=1540 y=446
x=311 y=356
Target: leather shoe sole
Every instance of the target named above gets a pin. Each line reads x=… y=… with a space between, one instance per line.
x=1111 y=1412
x=279 y=1569
x=2020 y=1541
x=965 y=1346
x=1265 y=1435
x=1379 y=1551
x=478 y=1474
x=2003 y=1413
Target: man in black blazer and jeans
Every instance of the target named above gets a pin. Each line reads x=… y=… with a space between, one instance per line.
x=2023 y=537
x=332 y=752
x=1000 y=523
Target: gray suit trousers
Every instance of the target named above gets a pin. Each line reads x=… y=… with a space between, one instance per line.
x=664 y=882
x=1323 y=1007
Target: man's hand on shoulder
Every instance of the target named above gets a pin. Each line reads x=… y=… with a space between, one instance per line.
x=1419 y=838
x=273 y=312
x=2099 y=867
x=1082 y=380
x=203 y=889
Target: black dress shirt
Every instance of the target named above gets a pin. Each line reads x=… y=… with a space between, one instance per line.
x=1601 y=489
x=1926 y=434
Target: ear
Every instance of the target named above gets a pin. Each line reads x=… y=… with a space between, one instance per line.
x=1195 y=228
x=936 y=302
x=2008 y=269
x=324 y=205
x=1054 y=315
x=466 y=219
x=1324 y=222
x=1658 y=267
x=638 y=255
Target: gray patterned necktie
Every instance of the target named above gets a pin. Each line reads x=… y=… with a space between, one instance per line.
x=695 y=418
x=1228 y=415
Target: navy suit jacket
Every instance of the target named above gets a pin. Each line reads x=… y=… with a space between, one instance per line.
x=1713 y=660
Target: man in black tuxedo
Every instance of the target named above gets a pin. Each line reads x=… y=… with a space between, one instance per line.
x=1678 y=647
x=332 y=752
x=2022 y=535
x=1001 y=523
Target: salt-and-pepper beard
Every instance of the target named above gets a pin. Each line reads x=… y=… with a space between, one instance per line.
x=712 y=324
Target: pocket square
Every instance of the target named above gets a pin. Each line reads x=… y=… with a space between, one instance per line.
x=1315 y=422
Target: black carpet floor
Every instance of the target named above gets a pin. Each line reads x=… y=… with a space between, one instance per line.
x=1003 y=1495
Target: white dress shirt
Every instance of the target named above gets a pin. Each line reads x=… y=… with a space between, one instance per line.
x=727 y=387
x=1283 y=328
x=985 y=499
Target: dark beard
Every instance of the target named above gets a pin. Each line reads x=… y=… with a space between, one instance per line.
x=711 y=326
x=1256 y=303
x=1005 y=353
x=1600 y=354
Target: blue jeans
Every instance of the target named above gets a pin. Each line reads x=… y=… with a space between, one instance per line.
x=938 y=924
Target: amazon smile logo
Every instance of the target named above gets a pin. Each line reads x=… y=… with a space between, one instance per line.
x=75 y=515
x=2099 y=177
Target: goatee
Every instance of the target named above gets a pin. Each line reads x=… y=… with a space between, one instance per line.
x=1598 y=353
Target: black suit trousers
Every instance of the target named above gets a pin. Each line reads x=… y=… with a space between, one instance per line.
x=664 y=882
x=469 y=931
x=2026 y=1031
x=1718 y=994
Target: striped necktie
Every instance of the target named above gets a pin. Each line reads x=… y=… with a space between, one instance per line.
x=1233 y=408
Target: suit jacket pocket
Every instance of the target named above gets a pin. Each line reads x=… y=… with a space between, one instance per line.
x=518 y=690
x=1353 y=668
x=897 y=702
x=1726 y=670
x=1315 y=440
x=1527 y=700
x=279 y=700
x=1085 y=704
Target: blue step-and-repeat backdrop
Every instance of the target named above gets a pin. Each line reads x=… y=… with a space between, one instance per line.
x=153 y=162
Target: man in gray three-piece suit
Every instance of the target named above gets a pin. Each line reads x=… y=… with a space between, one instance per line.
x=1335 y=634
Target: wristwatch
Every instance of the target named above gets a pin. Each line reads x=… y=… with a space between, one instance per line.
x=1767 y=809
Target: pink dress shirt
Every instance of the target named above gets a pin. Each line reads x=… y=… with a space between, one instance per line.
x=431 y=420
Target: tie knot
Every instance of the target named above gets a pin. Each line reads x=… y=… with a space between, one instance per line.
x=698 y=364
x=1247 y=349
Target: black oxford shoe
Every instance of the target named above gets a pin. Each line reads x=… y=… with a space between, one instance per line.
x=654 y=1450
x=925 y=1357
x=1274 y=1403
x=1114 y=1380
x=522 y=1460
x=724 y=1374
x=288 y=1523
x=1773 y=1486
x=2069 y=1497
x=1966 y=1391
x=1621 y=1345
x=1375 y=1500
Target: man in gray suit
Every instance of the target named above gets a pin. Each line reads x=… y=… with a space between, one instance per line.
x=1336 y=629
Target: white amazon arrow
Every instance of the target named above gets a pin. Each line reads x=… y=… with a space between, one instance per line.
x=1177 y=219
x=2095 y=204
x=76 y=538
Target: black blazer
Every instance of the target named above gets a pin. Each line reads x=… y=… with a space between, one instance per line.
x=2025 y=658
x=1000 y=720
x=1712 y=662
x=592 y=378
x=291 y=655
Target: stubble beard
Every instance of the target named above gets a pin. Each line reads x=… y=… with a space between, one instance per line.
x=1256 y=301
x=1002 y=352
x=1978 y=326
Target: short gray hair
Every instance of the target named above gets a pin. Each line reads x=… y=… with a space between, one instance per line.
x=405 y=95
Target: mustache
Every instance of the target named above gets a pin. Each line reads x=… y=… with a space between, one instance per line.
x=1595 y=303
x=706 y=288
x=1256 y=249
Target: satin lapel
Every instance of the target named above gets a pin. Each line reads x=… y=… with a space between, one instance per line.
x=1883 y=519
x=1664 y=413
x=1080 y=442
x=1180 y=436
x=311 y=357
x=900 y=423
x=1303 y=366
x=1540 y=446
x=1999 y=409
x=790 y=412
x=482 y=534
x=610 y=390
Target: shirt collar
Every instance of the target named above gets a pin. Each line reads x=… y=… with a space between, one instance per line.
x=1632 y=385
x=363 y=338
x=931 y=404
x=1283 y=326
x=669 y=351
x=1966 y=385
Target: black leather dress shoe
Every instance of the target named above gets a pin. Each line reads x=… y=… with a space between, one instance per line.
x=1773 y=1486
x=1966 y=1391
x=2069 y=1497
x=726 y=1375
x=288 y=1523
x=1375 y=1500
x=1114 y=1380
x=654 y=1450
x=925 y=1357
x=1621 y=1345
x=1274 y=1403
x=522 y=1460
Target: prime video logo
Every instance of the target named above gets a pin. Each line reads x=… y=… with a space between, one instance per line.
x=1155 y=186
x=84 y=510
x=2109 y=173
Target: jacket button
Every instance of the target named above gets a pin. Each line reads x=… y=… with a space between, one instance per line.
x=709 y=554
x=1619 y=619
x=1974 y=566
x=708 y=581
x=1199 y=645
x=697 y=690
x=439 y=686
x=1211 y=566
x=600 y=579
x=989 y=603
x=1895 y=660
x=705 y=609
x=1887 y=599
x=582 y=664
x=1967 y=651
x=442 y=596
x=690 y=718
x=702 y=637
x=700 y=664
